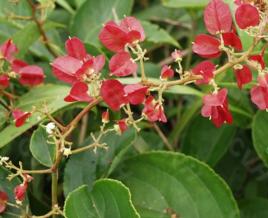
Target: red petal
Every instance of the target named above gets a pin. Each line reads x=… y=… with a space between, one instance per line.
x=206 y=46
x=79 y=93
x=206 y=69
x=259 y=96
x=122 y=125
x=231 y=39
x=112 y=92
x=135 y=93
x=129 y=24
x=4 y=81
x=243 y=76
x=215 y=99
x=20 y=191
x=20 y=117
x=64 y=68
x=113 y=37
x=17 y=64
x=217 y=17
x=99 y=62
x=31 y=75
x=259 y=59
x=3 y=201
x=247 y=15
x=75 y=48
x=8 y=50
x=121 y=64
x=166 y=72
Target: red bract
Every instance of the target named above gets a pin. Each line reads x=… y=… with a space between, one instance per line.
x=247 y=15
x=121 y=64
x=31 y=75
x=243 y=76
x=259 y=93
x=166 y=72
x=20 y=191
x=112 y=92
x=122 y=125
x=217 y=17
x=135 y=93
x=3 y=201
x=7 y=50
x=206 y=46
x=4 y=81
x=205 y=69
x=231 y=39
x=215 y=106
x=20 y=117
x=259 y=59
x=153 y=111
x=75 y=48
x=115 y=36
x=78 y=92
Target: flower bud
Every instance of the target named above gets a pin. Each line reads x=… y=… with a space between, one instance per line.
x=50 y=128
x=105 y=117
x=19 y=192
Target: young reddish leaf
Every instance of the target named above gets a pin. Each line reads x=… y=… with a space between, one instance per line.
x=75 y=48
x=31 y=75
x=3 y=201
x=243 y=76
x=7 y=50
x=205 y=69
x=112 y=92
x=206 y=46
x=215 y=106
x=259 y=93
x=259 y=59
x=121 y=64
x=217 y=17
x=4 y=81
x=20 y=117
x=78 y=92
x=247 y=15
x=231 y=39
x=166 y=73
x=135 y=93
x=65 y=67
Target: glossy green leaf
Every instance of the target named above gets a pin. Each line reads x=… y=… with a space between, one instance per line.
x=166 y=184
x=206 y=142
x=157 y=35
x=92 y=14
x=254 y=208
x=185 y=3
x=50 y=95
x=108 y=199
x=42 y=151
x=259 y=135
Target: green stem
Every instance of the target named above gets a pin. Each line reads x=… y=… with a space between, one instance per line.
x=54 y=190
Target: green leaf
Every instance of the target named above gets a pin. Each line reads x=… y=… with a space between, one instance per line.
x=51 y=95
x=108 y=199
x=166 y=184
x=185 y=3
x=259 y=135
x=8 y=187
x=157 y=35
x=92 y=14
x=42 y=151
x=254 y=208
x=206 y=142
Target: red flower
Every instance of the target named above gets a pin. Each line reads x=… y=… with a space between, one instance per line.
x=206 y=46
x=20 y=117
x=7 y=50
x=122 y=126
x=3 y=201
x=166 y=72
x=78 y=92
x=4 y=81
x=247 y=15
x=112 y=92
x=154 y=111
x=115 y=36
x=17 y=64
x=20 y=191
x=76 y=49
x=135 y=93
x=121 y=64
x=31 y=75
x=231 y=39
x=217 y=17
x=243 y=76
x=205 y=69
x=215 y=106
x=259 y=59
x=259 y=93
